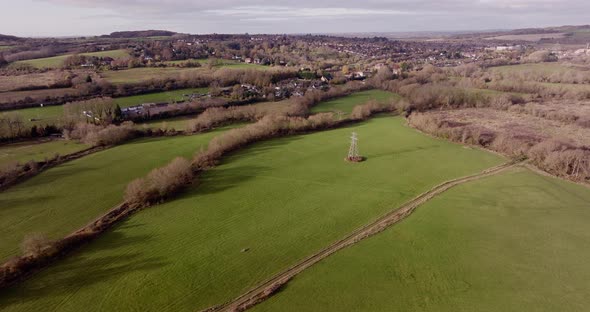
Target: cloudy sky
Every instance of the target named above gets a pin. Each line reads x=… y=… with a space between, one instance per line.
x=94 y=17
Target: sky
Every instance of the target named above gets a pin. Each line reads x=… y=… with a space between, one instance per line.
x=41 y=18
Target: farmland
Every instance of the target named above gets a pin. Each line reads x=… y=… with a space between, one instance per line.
x=511 y=242
x=136 y=75
x=57 y=61
x=37 y=151
x=51 y=114
x=346 y=104
x=537 y=68
x=279 y=200
x=72 y=194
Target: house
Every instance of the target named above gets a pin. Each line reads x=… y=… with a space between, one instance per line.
x=248 y=60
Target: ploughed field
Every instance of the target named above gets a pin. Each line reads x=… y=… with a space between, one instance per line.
x=516 y=241
x=62 y=199
x=260 y=211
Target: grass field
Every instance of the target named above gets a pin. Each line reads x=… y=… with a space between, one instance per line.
x=517 y=241
x=346 y=104
x=23 y=152
x=5 y=47
x=140 y=74
x=52 y=114
x=66 y=197
x=159 y=97
x=57 y=61
x=282 y=199
x=225 y=64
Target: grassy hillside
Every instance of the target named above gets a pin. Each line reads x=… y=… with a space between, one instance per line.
x=257 y=213
x=513 y=242
x=57 y=61
x=66 y=197
x=346 y=104
x=23 y=152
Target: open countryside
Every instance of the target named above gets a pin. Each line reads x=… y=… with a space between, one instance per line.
x=266 y=166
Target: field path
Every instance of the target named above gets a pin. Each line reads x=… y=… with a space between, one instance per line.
x=269 y=287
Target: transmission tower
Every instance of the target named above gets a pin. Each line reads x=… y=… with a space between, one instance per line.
x=353 y=151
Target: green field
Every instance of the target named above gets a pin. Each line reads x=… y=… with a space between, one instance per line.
x=57 y=61
x=23 y=152
x=64 y=198
x=224 y=64
x=136 y=75
x=51 y=114
x=5 y=47
x=283 y=199
x=158 y=97
x=346 y=104
x=517 y=241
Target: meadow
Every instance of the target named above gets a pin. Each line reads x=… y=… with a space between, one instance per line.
x=517 y=241
x=141 y=74
x=261 y=210
x=64 y=198
x=57 y=61
x=37 y=151
x=51 y=114
x=347 y=103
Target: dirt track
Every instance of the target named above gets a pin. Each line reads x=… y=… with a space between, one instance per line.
x=269 y=287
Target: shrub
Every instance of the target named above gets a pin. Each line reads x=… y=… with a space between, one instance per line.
x=34 y=244
x=159 y=183
x=96 y=135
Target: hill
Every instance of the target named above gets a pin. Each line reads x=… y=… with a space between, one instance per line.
x=139 y=34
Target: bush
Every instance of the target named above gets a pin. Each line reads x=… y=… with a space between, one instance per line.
x=159 y=183
x=96 y=135
x=35 y=244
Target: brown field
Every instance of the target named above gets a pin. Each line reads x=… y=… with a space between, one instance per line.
x=522 y=123
x=38 y=80
x=7 y=97
x=528 y=37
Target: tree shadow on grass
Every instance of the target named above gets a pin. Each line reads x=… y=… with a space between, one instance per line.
x=401 y=151
x=220 y=180
x=55 y=174
x=85 y=268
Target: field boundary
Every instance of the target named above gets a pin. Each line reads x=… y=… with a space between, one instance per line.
x=45 y=165
x=269 y=287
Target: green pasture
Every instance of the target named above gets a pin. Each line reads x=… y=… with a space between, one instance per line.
x=517 y=241
x=42 y=116
x=347 y=103
x=64 y=198
x=37 y=151
x=57 y=61
x=260 y=211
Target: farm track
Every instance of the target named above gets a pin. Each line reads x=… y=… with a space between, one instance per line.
x=269 y=287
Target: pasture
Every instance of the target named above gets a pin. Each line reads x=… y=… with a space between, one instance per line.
x=260 y=211
x=37 y=151
x=141 y=74
x=64 y=198
x=41 y=116
x=57 y=61
x=347 y=103
x=517 y=241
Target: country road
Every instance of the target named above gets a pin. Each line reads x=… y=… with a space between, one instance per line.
x=269 y=287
